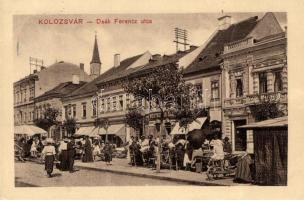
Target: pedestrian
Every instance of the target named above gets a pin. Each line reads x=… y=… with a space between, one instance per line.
x=96 y=150
x=108 y=153
x=71 y=154
x=49 y=156
x=88 y=154
x=63 y=157
x=34 y=148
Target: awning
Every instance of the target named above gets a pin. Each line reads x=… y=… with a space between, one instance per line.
x=115 y=129
x=270 y=123
x=197 y=124
x=29 y=130
x=177 y=130
x=87 y=130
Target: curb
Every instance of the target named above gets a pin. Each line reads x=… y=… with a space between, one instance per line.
x=190 y=182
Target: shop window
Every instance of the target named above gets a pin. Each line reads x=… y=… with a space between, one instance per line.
x=263 y=82
x=239 y=88
x=278 y=84
x=215 y=93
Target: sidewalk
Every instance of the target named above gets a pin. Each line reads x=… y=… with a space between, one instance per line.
x=121 y=166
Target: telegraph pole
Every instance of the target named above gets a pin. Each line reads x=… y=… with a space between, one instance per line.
x=181 y=37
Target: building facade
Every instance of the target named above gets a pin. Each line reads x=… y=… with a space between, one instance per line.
x=254 y=70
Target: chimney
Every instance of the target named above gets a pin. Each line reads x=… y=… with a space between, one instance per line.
x=116 y=60
x=81 y=65
x=75 y=79
x=224 y=22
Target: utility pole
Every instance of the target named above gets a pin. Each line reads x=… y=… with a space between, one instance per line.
x=181 y=37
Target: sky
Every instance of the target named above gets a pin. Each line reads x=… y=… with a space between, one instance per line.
x=74 y=42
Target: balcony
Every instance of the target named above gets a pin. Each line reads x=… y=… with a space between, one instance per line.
x=238 y=45
x=256 y=98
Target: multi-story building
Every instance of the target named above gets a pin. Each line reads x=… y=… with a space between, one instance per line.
x=254 y=68
x=82 y=105
x=52 y=99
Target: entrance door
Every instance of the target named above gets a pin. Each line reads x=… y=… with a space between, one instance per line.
x=240 y=136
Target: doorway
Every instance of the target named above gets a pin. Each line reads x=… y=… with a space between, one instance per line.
x=240 y=136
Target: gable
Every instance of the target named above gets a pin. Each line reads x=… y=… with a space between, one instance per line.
x=268 y=25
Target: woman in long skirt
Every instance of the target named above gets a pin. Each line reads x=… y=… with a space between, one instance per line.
x=49 y=156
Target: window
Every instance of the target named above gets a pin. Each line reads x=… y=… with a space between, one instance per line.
x=84 y=110
x=263 y=82
x=114 y=104
x=239 y=88
x=199 y=92
x=121 y=102
x=215 y=90
x=102 y=105
x=32 y=93
x=127 y=100
x=24 y=99
x=94 y=105
x=109 y=104
x=278 y=85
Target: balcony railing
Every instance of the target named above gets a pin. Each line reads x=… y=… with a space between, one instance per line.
x=237 y=45
x=256 y=98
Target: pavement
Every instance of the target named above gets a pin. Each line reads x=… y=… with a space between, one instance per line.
x=121 y=166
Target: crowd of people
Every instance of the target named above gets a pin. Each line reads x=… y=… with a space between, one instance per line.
x=63 y=152
x=175 y=151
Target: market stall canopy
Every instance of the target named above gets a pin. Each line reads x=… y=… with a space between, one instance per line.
x=85 y=131
x=197 y=123
x=270 y=123
x=29 y=130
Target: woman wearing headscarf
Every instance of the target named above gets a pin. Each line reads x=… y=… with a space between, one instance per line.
x=49 y=155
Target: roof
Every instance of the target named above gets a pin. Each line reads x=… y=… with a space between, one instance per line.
x=210 y=55
x=91 y=87
x=60 y=90
x=161 y=61
x=270 y=123
x=95 y=57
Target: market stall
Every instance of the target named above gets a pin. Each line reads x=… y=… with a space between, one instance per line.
x=270 y=139
x=28 y=131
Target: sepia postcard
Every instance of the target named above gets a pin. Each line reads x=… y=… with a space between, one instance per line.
x=110 y=101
